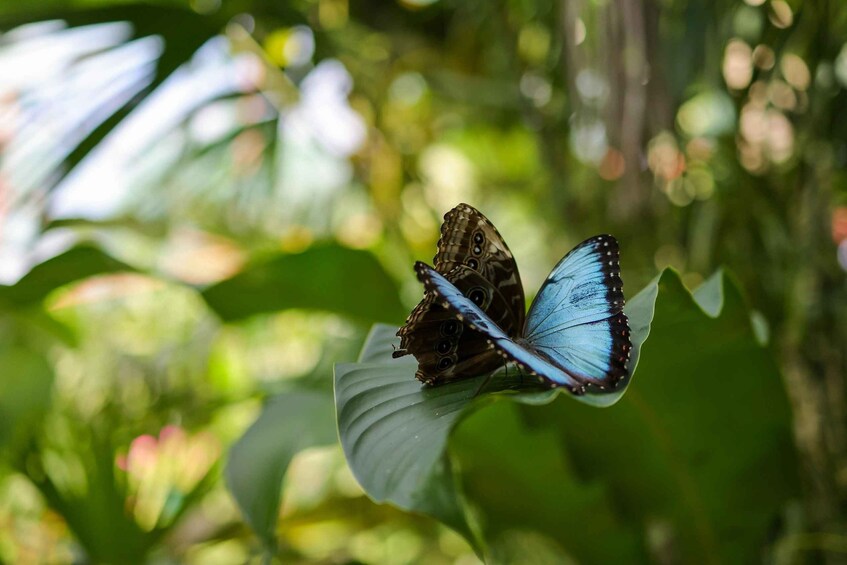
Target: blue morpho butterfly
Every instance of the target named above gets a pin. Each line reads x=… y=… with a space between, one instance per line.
x=472 y=315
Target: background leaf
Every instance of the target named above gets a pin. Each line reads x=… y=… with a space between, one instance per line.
x=313 y=279
x=519 y=480
x=289 y=423
x=74 y=264
x=25 y=384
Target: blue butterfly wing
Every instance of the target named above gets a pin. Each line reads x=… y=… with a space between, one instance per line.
x=577 y=322
x=469 y=313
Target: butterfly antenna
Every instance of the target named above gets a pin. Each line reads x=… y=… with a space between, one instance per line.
x=506 y=369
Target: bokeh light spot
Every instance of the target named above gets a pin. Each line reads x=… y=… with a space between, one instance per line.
x=781 y=95
x=780 y=14
x=708 y=114
x=841 y=65
x=407 y=89
x=748 y=23
x=767 y=136
x=780 y=137
x=700 y=148
x=536 y=88
x=579 y=32
x=450 y=176
x=592 y=86
x=839 y=224
x=758 y=93
x=763 y=57
x=612 y=166
x=664 y=157
x=198 y=257
x=795 y=71
x=291 y=47
x=588 y=139
x=680 y=191
x=360 y=231
x=737 y=64
x=534 y=43
x=702 y=181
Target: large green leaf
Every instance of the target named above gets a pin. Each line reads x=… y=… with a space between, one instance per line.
x=290 y=422
x=670 y=459
x=394 y=434
x=326 y=277
x=394 y=431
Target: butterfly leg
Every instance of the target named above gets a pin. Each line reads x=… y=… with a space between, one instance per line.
x=484 y=383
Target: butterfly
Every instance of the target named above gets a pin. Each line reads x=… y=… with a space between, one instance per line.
x=575 y=335
x=474 y=259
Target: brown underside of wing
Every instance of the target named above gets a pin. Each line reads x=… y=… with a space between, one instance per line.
x=472 y=255
x=489 y=256
x=446 y=355
x=469 y=352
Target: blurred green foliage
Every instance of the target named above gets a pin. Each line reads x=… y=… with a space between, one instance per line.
x=205 y=205
x=309 y=280
x=290 y=423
